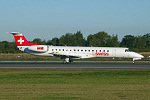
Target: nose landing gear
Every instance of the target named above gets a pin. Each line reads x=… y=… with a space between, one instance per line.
x=135 y=59
x=133 y=62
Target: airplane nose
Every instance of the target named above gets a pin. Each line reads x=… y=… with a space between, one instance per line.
x=136 y=55
x=140 y=56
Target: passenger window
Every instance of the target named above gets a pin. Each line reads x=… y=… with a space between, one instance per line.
x=56 y=49
x=89 y=50
x=70 y=50
x=74 y=49
x=59 y=49
x=63 y=49
x=81 y=50
x=85 y=50
x=92 y=50
x=52 y=49
x=103 y=50
x=107 y=50
x=99 y=50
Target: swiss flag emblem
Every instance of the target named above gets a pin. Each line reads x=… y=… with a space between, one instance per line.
x=20 y=40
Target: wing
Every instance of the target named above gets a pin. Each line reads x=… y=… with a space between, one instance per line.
x=60 y=55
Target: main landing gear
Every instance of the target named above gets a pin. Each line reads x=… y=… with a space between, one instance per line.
x=67 y=60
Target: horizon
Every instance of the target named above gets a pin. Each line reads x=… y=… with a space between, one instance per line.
x=70 y=33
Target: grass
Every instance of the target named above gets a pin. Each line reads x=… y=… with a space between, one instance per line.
x=74 y=84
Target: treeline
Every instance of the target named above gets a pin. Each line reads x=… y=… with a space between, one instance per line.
x=100 y=39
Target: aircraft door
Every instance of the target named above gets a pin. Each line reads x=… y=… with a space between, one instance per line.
x=114 y=52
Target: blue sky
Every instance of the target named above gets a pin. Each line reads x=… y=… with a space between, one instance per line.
x=46 y=19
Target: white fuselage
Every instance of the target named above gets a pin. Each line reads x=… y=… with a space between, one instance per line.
x=74 y=52
x=68 y=53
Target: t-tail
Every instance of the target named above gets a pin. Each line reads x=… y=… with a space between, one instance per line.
x=21 y=41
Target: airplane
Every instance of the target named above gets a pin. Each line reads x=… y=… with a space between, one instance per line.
x=69 y=53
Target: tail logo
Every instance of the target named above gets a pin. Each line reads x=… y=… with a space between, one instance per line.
x=20 y=40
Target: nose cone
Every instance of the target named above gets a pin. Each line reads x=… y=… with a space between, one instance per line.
x=139 y=55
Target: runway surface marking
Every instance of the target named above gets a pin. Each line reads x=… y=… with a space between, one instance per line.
x=58 y=65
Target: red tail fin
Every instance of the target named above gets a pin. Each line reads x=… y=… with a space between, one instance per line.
x=20 y=39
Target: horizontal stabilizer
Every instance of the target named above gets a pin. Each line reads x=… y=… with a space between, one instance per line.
x=16 y=33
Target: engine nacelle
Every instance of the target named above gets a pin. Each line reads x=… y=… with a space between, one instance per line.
x=38 y=48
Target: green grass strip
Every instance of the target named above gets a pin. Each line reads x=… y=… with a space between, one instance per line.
x=74 y=84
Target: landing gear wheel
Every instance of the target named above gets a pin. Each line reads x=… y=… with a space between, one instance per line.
x=70 y=61
x=64 y=62
x=133 y=62
x=67 y=60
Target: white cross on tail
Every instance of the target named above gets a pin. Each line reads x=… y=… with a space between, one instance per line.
x=20 y=40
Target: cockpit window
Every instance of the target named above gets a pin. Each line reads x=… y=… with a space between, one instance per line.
x=128 y=50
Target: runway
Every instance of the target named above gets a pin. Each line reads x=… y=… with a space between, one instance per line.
x=76 y=65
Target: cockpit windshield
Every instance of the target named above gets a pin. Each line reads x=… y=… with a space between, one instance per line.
x=128 y=50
